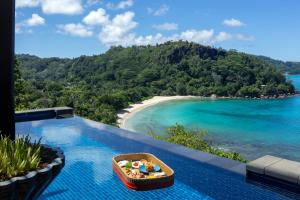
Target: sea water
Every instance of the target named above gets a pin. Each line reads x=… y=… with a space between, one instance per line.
x=252 y=127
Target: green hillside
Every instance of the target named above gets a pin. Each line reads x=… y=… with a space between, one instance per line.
x=97 y=86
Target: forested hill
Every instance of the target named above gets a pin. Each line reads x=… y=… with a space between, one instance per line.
x=288 y=67
x=98 y=86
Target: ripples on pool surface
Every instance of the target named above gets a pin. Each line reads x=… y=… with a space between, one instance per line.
x=88 y=172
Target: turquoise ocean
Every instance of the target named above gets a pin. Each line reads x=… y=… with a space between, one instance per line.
x=251 y=127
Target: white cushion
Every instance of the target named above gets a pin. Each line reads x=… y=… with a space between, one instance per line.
x=284 y=170
x=258 y=166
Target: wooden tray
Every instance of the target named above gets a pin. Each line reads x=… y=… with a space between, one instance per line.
x=144 y=183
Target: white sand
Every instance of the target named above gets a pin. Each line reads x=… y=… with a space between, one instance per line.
x=125 y=114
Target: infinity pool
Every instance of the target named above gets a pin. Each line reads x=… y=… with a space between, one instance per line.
x=90 y=146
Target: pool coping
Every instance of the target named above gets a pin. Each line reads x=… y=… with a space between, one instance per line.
x=42 y=114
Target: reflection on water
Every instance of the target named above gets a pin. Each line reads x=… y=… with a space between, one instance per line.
x=67 y=135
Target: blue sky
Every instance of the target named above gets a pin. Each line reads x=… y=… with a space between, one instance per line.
x=70 y=28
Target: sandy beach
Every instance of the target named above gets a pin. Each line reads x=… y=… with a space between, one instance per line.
x=125 y=114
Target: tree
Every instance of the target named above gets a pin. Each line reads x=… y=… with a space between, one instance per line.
x=249 y=91
x=181 y=88
x=21 y=101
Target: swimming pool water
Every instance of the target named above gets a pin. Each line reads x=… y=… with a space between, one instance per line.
x=88 y=171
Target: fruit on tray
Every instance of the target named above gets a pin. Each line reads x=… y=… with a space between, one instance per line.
x=136 y=164
x=149 y=166
x=140 y=169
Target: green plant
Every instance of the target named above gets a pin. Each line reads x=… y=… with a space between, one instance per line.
x=128 y=165
x=178 y=134
x=18 y=157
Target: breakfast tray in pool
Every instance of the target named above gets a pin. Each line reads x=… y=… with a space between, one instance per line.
x=143 y=183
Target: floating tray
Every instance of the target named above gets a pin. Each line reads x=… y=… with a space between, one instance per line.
x=144 y=183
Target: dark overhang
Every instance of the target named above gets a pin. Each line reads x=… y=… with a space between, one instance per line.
x=7 y=37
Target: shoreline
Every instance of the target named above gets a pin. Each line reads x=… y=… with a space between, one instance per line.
x=125 y=114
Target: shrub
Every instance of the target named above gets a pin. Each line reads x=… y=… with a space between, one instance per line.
x=195 y=139
x=18 y=157
x=250 y=91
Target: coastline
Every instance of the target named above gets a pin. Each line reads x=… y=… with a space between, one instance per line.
x=125 y=114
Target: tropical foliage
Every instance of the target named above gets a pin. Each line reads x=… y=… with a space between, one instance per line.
x=98 y=86
x=18 y=157
x=178 y=134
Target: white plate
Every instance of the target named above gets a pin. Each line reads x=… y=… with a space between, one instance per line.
x=139 y=164
x=122 y=163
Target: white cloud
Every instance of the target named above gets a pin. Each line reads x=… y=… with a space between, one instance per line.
x=162 y=10
x=149 y=39
x=35 y=20
x=98 y=17
x=68 y=7
x=206 y=37
x=27 y=3
x=23 y=26
x=75 y=30
x=121 y=5
x=166 y=26
x=223 y=36
x=233 y=22
x=117 y=30
x=199 y=36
